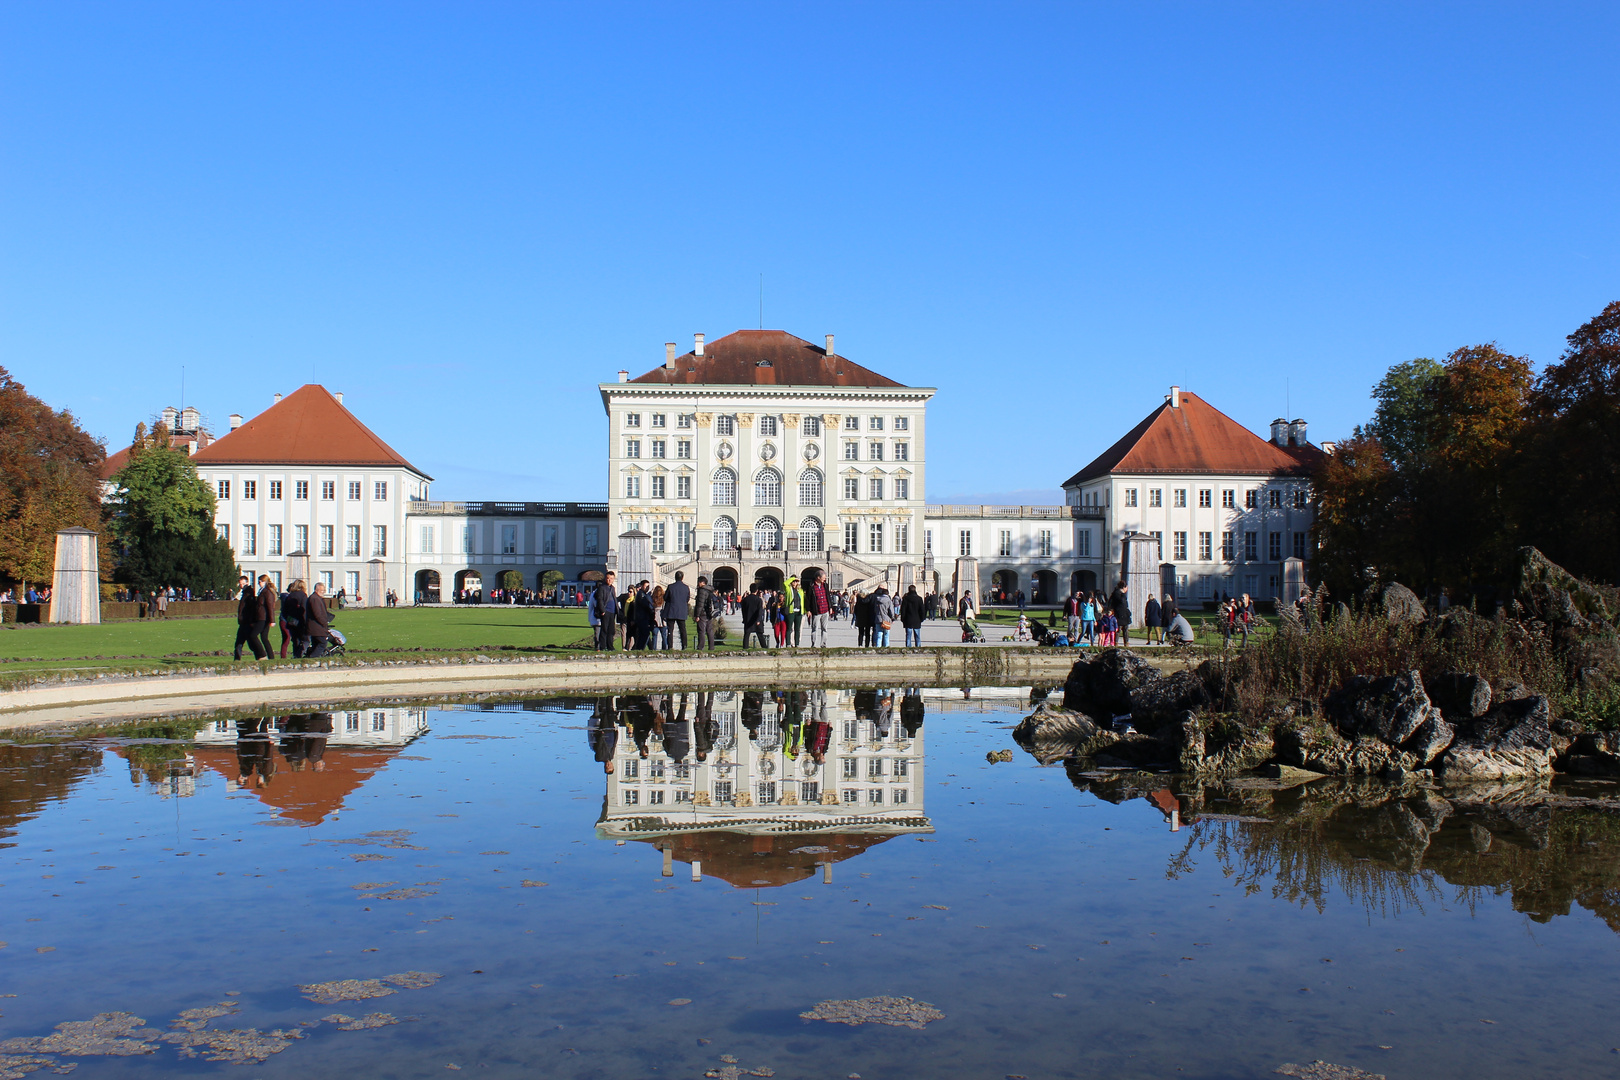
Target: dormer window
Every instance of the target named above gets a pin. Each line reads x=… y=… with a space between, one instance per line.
x=763 y=363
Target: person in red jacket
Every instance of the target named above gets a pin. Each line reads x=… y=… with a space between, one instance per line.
x=817 y=605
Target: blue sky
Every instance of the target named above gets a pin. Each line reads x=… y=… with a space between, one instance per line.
x=465 y=216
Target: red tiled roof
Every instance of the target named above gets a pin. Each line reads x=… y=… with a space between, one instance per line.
x=764 y=358
x=1197 y=438
x=306 y=796
x=114 y=462
x=307 y=427
x=750 y=861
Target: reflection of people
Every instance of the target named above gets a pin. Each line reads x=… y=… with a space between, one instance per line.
x=319 y=726
x=911 y=712
x=678 y=735
x=753 y=712
x=603 y=733
x=817 y=732
x=704 y=731
x=255 y=753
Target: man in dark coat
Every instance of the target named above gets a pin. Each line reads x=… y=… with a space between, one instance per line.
x=247 y=611
x=911 y=617
x=705 y=608
x=1153 y=618
x=677 y=601
x=602 y=732
x=641 y=616
x=1120 y=605
x=605 y=605
x=317 y=622
x=753 y=616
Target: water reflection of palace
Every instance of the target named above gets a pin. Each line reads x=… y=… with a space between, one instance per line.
x=759 y=787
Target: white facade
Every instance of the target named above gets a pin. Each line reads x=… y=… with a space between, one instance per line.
x=1041 y=551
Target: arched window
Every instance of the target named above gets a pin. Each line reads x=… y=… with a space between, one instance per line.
x=724 y=534
x=767 y=426
x=725 y=487
x=767 y=487
x=810 y=488
x=767 y=534
x=810 y=534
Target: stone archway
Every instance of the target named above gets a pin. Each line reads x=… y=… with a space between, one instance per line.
x=427 y=586
x=1004 y=586
x=510 y=580
x=770 y=577
x=1083 y=581
x=1046 y=587
x=470 y=583
x=725 y=579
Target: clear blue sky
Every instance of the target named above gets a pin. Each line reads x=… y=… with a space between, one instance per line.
x=467 y=215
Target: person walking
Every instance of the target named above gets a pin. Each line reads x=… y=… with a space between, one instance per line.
x=1153 y=619
x=776 y=615
x=1243 y=618
x=795 y=611
x=317 y=622
x=912 y=612
x=753 y=616
x=883 y=616
x=294 y=604
x=1071 y=608
x=1119 y=604
x=639 y=618
x=1088 y=618
x=860 y=613
x=268 y=611
x=817 y=605
x=660 y=631
x=605 y=609
x=677 y=608
x=706 y=606
x=247 y=607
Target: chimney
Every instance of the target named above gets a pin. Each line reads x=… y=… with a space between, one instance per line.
x=830 y=352
x=669 y=356
x=1279 y=432
x=1296 y=433
x=697 y=348
x=1175 y=397
x=236 y=421
x=339 y=396
x=624 y=376
x=277 y=400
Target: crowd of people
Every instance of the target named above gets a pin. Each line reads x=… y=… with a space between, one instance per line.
x=303 y=616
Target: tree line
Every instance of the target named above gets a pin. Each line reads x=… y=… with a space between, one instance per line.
x=1467 y=459
x=155 y=515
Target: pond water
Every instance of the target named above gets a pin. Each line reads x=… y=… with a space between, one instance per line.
x=471 y=888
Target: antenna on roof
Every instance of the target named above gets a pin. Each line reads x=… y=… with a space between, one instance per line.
x=762 y=301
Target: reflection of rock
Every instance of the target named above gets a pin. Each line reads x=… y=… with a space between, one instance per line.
x=1596 y=753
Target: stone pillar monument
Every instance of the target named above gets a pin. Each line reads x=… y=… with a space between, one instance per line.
x=298 y=567
x=635 y=559
x=967 y=580
x=907 y=578
x=1293 y=578
x=1139 y=565
x=376 y=583
x=76 y=588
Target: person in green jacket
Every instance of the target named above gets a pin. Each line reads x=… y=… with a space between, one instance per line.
x=795 y=611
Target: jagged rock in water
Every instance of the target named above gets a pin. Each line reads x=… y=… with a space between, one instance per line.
x=1160 y=699
x=1101 y=688
x=1402 y=605
x=1390 y=709
x=893 y=1011
x=1431 y=738
x=1595 y=753
x=1319 y=748
x=1514 y=739
x=114 y=1034
x=1460 y=695
x=1221 y=750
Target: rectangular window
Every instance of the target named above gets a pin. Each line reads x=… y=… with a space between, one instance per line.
x=1181 y=497
x=301 y=539
x=1046 y=543
x=351 y=722
x=1206 y=498
x=658 y=446
x=657 y=491
x=875 y=450
x=1228 y=546
x=902 y=488
x=902 y=451
x=851 y=796
x=683 y=420
x=379 y=720
x=1206 y=546
x=852 y=536
x=683 y=448
x=655 y=797
x=1274 y=499
x=874 y=489
x=900 y=796
x=1083 y=538
x=379 y=491
x=508 y=539
x=658 y=537
x=548 y=540
x=426 y=539
x=223 y=489
x=328 y=490
x=767 y=426
x=354 y=491
x=1274 y=547
x=851 y=768
x=852 y=423
x=1301 y=497
x=301 y=489
x=1158 y=543
x=683 y=487
x=351 y=540
x=875 y=796
x=1251 y=547
x=683 y=536
x=875 y=424
x=852 y=450
x=725 y=425
x=274 y=546
x=809 y=792
x=328 y=541
x=632 y=797
x=722 y=791
x=902 y=423
x=1229 y=499
x=852 y=488
x=902 y=539
x=250 y=540
x=467 y=539
x=1181 y=547
x=275 y=489
x=874 y=538
x=326 y=579
x=812 y=426
x=250 y=489
x=874 y=768
x=632 y=448
x=657 y=419
x=1130 y=496
x=632 y=487
x=632 y=419
x=1299 y=545
x=928 y=539
x=1155 y=497
x=593 y=539
x=1004 y=545
x=379 y=541
x=964 y=543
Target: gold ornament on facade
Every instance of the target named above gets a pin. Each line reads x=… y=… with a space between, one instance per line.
x=705 y=419
x=745 y=419
x=791 y=420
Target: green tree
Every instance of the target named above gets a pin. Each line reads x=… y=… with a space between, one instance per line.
x=50 y=479
x=1355 y=492
x=163 y=520
x=1405 y=399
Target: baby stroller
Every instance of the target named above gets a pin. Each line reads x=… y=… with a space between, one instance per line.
x=970 y=629
x=336 y=642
